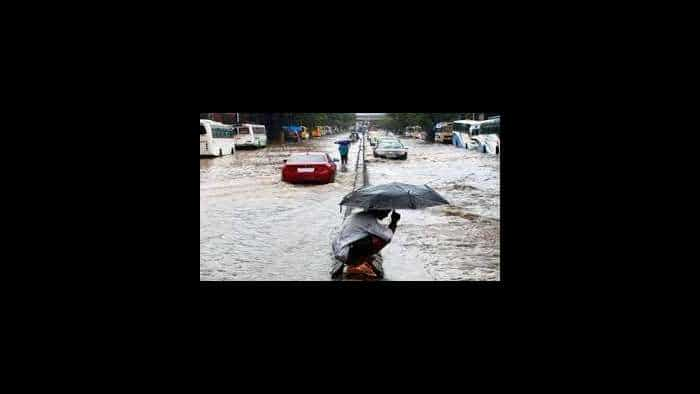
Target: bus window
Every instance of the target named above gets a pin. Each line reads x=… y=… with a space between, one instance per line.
x=259 y=130
x=222 y=131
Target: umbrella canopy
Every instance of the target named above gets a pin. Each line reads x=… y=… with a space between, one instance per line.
x=394 y=196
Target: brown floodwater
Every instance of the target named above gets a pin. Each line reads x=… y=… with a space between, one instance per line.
x=253 y=226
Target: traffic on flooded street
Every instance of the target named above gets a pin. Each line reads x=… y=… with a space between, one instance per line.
x=270 y=211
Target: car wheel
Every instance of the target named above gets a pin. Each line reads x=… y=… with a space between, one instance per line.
x=232 y=151
x=405 y=157
x=220 y=154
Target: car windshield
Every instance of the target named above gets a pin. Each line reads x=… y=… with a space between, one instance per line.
x=301 y=159
x=390 y=145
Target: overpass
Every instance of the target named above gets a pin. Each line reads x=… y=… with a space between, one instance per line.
x=369 y=117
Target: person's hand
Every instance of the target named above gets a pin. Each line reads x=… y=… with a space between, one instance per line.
x=395 y=216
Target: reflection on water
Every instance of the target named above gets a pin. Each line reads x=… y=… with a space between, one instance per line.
x=255 y=227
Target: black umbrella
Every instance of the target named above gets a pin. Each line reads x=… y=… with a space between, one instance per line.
x=394 y=196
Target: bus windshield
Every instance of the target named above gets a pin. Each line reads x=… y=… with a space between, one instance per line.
x=202 y=129
x=462 y=127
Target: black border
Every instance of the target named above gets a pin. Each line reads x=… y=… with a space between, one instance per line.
x=523 y=267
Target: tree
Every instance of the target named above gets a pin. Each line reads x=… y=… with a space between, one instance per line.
x=342 y=120
x=274 y=121
x=404 y=119
x=388 y=123
x=426 y=120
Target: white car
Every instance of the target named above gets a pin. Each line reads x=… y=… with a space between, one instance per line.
x=391 y=149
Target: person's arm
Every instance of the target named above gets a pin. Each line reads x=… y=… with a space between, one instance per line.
x=394 y=221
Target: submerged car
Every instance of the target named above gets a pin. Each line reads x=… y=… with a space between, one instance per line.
x=391 y=149
x=316 y=167
x=386 y=138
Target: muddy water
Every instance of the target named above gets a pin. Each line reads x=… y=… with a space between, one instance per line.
x=255 y=227
x=456 y=242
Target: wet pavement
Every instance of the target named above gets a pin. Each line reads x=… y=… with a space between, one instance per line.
x=255 y=227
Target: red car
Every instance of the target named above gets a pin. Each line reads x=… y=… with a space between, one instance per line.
x=309 y=167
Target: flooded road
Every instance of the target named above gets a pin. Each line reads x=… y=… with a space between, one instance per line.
x=255 y=227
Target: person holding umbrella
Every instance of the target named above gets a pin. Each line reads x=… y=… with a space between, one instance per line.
x=343 y=148
x=363 y=235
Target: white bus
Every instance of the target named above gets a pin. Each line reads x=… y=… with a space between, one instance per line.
x=491 y=126
x=480 y=135
x=251 y=135
x=215 y=139
x=462 y=132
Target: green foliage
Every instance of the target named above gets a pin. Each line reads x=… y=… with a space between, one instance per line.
x=424 y=119
x=314 y=119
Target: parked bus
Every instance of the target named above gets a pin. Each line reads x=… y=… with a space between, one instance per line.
x=216 y=139
x=462 y=132
x=491 y=126
x=443 y=132
x=251 y=135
